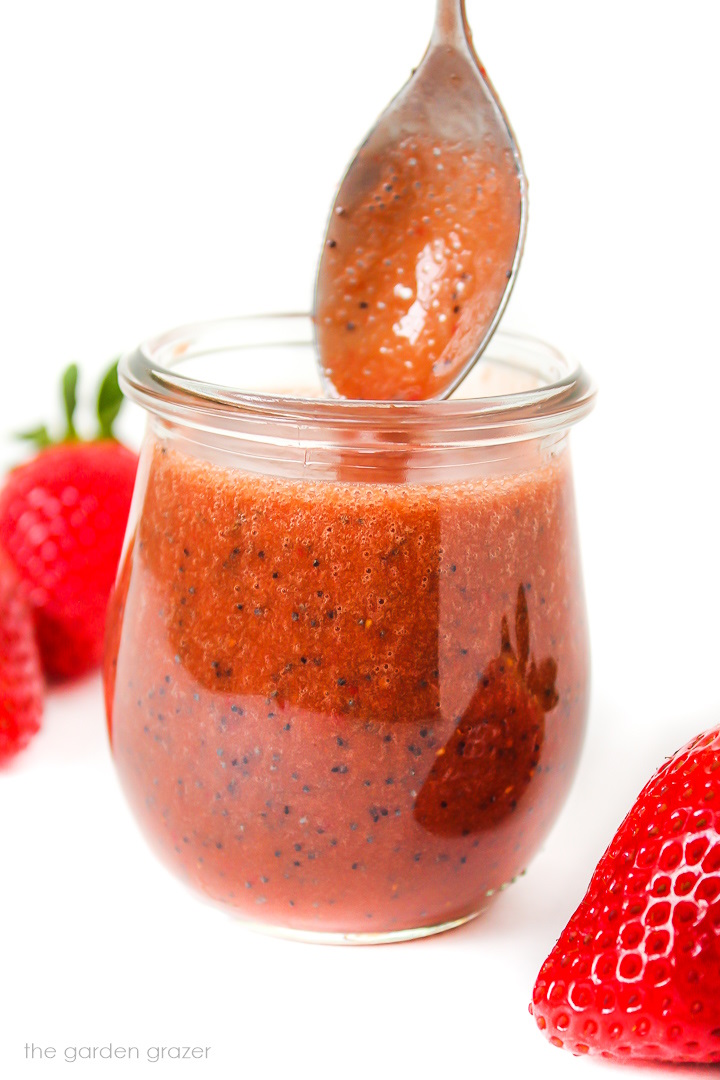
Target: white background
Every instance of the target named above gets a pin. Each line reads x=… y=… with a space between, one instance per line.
x=166 y=161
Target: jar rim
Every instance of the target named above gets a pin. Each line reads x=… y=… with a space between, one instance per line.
x=149 y=377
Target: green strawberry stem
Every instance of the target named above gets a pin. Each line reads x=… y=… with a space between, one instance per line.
x=110 y=399
x=109 y=403
x=69 y=392
x=39 y=437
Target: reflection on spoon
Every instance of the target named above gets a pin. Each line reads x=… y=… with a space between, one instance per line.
x=425 y=237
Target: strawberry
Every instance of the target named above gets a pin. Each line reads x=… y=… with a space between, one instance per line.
x=635 y=974
x=491 y=756
x=63 y=516
x=20 y=677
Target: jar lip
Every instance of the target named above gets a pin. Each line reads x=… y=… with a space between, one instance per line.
x=148 y=377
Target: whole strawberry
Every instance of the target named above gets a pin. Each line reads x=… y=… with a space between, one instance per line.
x=62 y=521
x=20 y=675
x=636 y=972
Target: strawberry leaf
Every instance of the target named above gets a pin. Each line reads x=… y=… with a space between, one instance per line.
x=69 y=390
x=522 y=629
x=110 y=399
x=39 y=437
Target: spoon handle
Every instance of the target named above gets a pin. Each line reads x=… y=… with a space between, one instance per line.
x=451 y=25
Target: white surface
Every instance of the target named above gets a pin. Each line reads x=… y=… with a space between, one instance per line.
x=164 y=162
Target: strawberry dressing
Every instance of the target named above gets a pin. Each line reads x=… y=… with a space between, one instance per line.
x=411 y=272
x=348 y=708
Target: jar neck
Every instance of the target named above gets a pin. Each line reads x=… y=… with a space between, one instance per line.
x=394 y=460
x=221 y=384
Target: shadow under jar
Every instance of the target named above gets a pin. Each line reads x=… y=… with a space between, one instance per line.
x=347 y=660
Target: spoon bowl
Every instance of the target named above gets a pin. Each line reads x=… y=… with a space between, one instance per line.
x=425 y=236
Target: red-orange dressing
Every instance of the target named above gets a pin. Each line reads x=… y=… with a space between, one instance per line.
x=412 y=271
x=348 y=707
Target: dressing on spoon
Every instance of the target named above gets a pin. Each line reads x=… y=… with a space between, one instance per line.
x=425 y=237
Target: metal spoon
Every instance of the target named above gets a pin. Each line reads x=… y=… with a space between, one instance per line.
x=425 y=236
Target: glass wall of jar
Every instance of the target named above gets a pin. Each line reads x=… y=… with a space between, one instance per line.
x=347 y=656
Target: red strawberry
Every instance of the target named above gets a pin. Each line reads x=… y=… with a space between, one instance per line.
x=636 y=973
x=62 y=521
x=490 y=758
x=20 y=677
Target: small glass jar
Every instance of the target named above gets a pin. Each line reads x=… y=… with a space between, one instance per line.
x=347 y=657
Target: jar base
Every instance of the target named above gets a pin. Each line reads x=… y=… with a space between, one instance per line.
x=331 y=937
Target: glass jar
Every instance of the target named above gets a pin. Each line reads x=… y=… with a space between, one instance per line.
x=347 y=658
